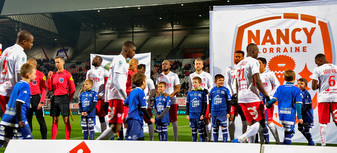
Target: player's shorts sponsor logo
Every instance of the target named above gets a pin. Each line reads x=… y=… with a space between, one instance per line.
x=253 y=112
x=61 y=80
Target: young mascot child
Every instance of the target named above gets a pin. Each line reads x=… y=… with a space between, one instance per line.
x=87 y=108
x=14 y=123
x=289 y=100
x=196 y=103
x=307 y=112
x=136 y=102
x=161 y=107
x=219 y=107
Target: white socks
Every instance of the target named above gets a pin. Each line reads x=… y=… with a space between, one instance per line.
x=322 y=130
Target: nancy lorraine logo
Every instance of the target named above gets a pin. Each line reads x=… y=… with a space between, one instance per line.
x=288 y=41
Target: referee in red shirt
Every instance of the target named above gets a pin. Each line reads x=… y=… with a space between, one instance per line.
x=63 y=86
x=38 y=94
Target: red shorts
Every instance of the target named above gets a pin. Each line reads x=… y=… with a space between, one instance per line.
x=116 y=111
x=324 y=110
x=253 y=111
x=99 y=109
x=173 y=112
x=269 y=113
x=3 y=102
x=149 y=110
x=234 y=110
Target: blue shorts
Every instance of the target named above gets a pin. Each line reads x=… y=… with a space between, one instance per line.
x=196 y=123
x=88 y=121
x=134 y=130
x=219 y=121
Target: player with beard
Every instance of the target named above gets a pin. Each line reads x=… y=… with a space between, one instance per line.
x=235 y=107
x=99 y=76
x=172 y=88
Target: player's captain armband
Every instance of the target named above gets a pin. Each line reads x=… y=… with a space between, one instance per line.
x=44 y=78
x=71 y=78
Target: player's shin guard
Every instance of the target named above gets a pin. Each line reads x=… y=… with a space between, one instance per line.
x=164 y=133
x=202 y=137
x=224 y=134
x=106 y=135
x=151 y=132
x=215 y=134
x=91 y=131
x=231 y=129
x=322 y=130
x=160 y=133
x=287 y=137
x=85 y=132
x=251 y=131
x=265 y=135
x=67 y=130
x=194 y=134
x=175 y=130
x=54 y=130
x=274 y=132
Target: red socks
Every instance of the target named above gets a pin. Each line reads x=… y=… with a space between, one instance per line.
x=54 y=131
x=68 y=130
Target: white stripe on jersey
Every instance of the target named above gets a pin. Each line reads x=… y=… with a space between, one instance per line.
x=326 y=74
x=248 y=92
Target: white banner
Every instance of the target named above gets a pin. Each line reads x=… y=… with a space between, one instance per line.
x=143 y=58
x=289 y=36
x=99 y=146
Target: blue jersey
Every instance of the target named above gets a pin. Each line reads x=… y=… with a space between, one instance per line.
x=288 y=95
x=219 y=96
x=21 y=93
x=307 y=116
x=136 y=101
x=160 y=103
x=87 y=100
x=195 y=98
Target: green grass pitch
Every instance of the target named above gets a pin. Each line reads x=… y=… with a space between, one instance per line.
x=76 y=130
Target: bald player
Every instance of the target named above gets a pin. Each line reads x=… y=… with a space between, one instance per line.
x=38 y=90
x=116 y=90
x=11 y=61
x=172 y=88
x=99 y=76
